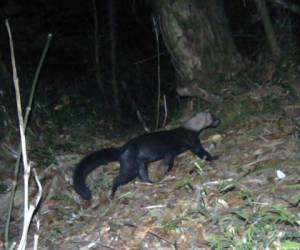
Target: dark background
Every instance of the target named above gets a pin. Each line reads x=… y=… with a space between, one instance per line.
x=69 y=67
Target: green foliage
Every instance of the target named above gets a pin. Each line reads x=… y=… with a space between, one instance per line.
x=295 y=200
x=236 y=111
x=247 y=194
x=226 y=186
x=184 y=183
x=197 y=166
x=256 y=227
x=174 y=224
x=219 y=243
x=45 y=155
x=290 y=245
x=66 y=199
x=105 y=182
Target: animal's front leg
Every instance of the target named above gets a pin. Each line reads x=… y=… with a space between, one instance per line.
x=202 y=153
x=143 y=173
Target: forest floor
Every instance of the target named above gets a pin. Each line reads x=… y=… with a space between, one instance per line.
x=246 y=199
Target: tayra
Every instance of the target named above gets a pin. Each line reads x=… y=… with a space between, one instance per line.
x=139 y=151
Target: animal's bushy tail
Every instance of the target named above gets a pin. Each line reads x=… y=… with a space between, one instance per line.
x=88 y=164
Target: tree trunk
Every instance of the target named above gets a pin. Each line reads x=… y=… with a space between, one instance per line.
x=262 y=8
x=96 y=48
x=112 y=36
x=197 y=36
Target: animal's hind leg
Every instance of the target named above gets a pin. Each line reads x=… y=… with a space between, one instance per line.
x=127 y=173
x=169 y=162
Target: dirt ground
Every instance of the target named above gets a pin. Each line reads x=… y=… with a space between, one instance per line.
x=246 y=199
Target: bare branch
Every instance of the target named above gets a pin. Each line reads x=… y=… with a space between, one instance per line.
x=194 y=90
x=19 y=152
x=28 y=209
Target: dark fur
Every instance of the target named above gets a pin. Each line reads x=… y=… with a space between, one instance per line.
x=137 y=153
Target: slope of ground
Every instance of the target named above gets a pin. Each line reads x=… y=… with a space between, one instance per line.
x=246 y=199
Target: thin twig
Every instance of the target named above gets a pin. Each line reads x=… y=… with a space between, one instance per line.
x=162 y=238
x=22 y=244
x=19 y=152
x=19 y=105
x=214 y=183
x=28 y=210
x=154 y=207
x=106 y=246
x=150 y=58
x=158 y=70
x=29 y=214
x=154 y=234
x=38 y=199
x=166 y=111
x=35 y=79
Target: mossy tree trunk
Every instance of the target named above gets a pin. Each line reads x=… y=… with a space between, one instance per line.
x=197 y=36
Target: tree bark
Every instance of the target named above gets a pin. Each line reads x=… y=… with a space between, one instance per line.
x=197 y=36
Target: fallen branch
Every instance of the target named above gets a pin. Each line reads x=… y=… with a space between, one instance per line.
x=194 y=90
x=253 y=163
x=154 y=234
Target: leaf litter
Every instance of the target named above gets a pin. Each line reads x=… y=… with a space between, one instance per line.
x=237 y=201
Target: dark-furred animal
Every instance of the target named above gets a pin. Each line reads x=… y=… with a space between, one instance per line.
x=135 y=155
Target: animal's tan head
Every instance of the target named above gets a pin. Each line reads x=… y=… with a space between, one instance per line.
x=201 y=121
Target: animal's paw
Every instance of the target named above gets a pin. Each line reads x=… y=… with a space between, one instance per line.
x=212 y=158
x=215 y=157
